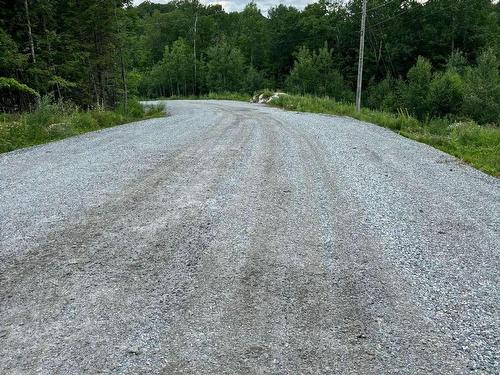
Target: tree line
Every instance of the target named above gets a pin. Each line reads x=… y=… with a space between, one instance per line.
x=434 y=58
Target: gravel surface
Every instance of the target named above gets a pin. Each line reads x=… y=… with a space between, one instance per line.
x=233 y=238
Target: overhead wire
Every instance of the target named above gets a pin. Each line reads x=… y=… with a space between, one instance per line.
x=406 y=10
x=389 y=2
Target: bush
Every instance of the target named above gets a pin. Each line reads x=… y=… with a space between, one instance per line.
x=106 y=119
x=254 y=80
x=155 y=110
x=384 y=95
x=457 y=62
x=416 y=92
x=314 y=73
x=134 y=109
x=482 y=90
x=446 y=93
x=56 y=120
x=470 y=133
x=83 y=121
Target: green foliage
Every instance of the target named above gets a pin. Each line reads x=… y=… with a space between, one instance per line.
x=253 y=37
x=133 y=109
x=314 y=73
x=457 y=62
x=266 y=93
x=384 y=95
x=134 y=79
x=94 y=51
x=482 y=90
x=56 y=120
x=105 y=119
x=10 y=84
x=225 y=68
x=254 y=80
x=174 y=73
x=82 y=121
x=446 y=93
x=61 y=82
x=10 y=58
x=155 y=110
x=417 y=89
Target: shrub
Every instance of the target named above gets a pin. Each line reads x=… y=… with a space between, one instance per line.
x=446 y=93
x=83 y=121
x=106 y=119
x=482 y=90
x=470 y=133
x=155 y=110
x=384 y=95
x=314 y=73
x=254 y=80
x=417 y=88
x=457 y=62
x=55 y=120
x=134 y=109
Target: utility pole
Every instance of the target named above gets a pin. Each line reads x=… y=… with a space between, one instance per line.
x=361 y=57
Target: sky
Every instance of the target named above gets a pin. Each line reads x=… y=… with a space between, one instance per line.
x=234 y=5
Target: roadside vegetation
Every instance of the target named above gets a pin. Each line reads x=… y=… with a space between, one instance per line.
x=50 y=121
x=456 y=109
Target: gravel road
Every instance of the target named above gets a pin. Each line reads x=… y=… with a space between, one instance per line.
x=233 y=238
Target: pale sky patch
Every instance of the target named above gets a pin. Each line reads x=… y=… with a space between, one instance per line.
x=237 y=5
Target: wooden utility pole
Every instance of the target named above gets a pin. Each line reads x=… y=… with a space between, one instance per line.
x=361 y=57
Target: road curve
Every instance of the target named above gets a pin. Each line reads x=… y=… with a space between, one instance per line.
x=233 y=238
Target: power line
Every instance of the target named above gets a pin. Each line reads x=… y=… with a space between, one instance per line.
x=382 y=5
x=424 y=16
x=373 y=42
x=392 y=17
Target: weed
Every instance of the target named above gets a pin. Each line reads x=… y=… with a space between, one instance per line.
x=57 y=120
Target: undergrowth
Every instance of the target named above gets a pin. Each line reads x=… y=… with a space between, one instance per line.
x=53 y=121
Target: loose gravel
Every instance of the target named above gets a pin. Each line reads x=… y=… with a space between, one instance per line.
x=233 y=238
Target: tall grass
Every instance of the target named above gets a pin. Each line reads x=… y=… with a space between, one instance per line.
x=52 y=121
x=477 y=145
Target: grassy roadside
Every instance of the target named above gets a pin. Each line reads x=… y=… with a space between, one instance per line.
x=54 y=121
x=476 y=145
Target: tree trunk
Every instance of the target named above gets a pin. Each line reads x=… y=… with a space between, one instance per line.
x=124 y=81
x=122 y=63
x=30 y=35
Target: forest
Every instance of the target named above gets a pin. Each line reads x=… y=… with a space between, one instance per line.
x=433 y=59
